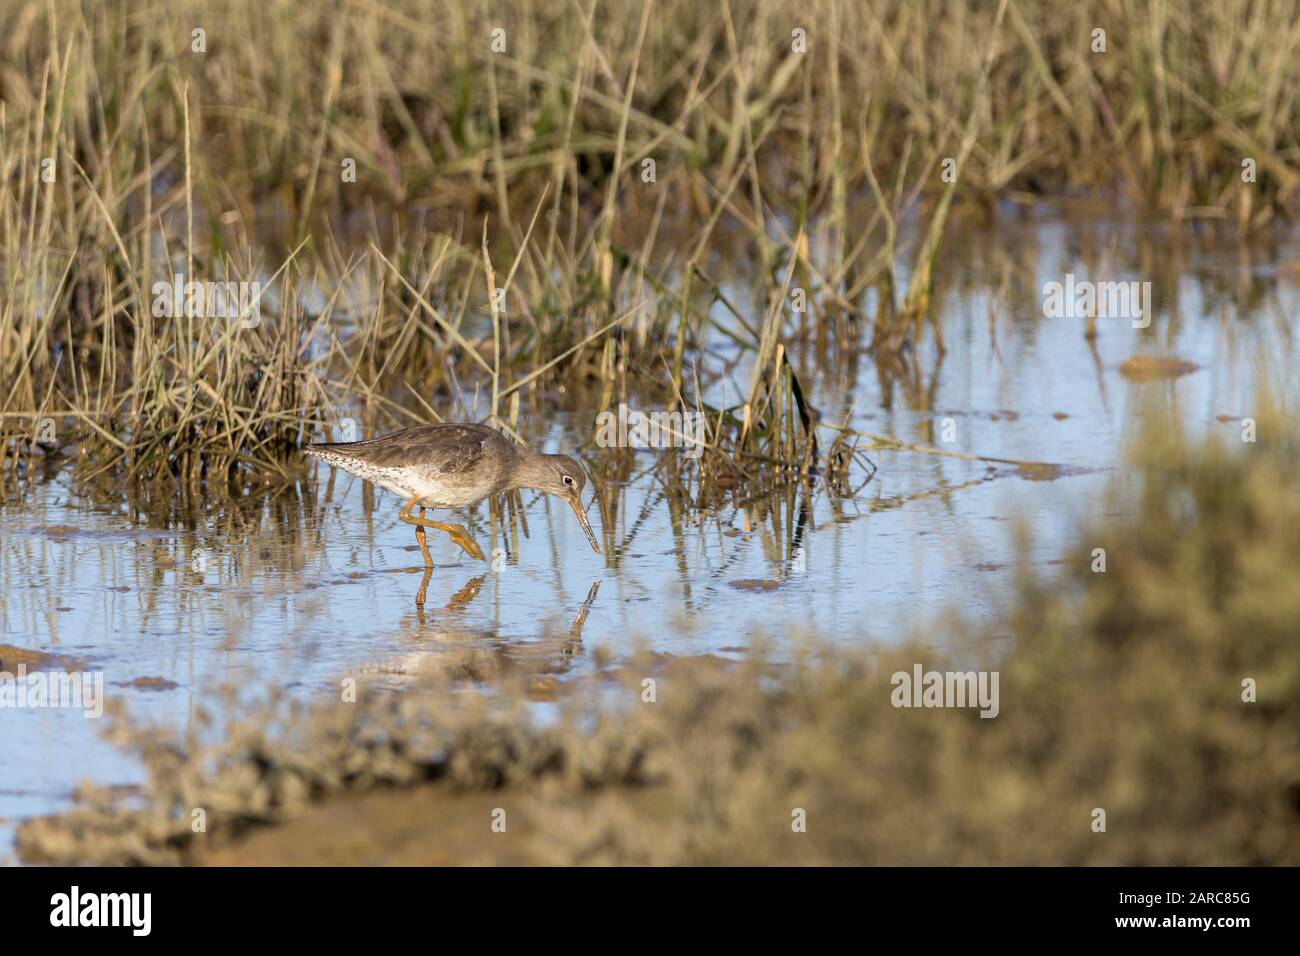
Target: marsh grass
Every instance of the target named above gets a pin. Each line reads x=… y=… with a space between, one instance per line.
x=523 y=171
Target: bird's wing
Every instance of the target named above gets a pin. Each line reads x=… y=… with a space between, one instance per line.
x=451 y=449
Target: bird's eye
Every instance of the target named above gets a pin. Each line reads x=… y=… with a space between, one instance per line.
x=568 y=480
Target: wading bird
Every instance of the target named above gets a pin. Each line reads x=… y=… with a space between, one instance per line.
x=451 y=466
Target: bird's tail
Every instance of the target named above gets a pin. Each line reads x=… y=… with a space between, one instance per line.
x=329 y=452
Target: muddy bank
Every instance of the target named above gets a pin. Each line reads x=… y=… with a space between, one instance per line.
x=429 y=825
x=11 y=658
x=420 y=826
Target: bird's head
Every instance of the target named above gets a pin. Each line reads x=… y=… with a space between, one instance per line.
x=563 y=477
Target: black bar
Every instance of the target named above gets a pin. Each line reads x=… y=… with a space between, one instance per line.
x=336 y=905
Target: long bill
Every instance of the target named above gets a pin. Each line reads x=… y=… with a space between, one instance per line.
x=576 y=505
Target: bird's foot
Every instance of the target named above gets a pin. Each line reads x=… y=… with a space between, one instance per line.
x=467 y=544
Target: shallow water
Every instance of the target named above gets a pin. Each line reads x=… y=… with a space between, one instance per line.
x=318 y=583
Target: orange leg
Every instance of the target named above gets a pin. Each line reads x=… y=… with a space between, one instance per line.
x=424 y=587
x=428 y=563
x=424 y=547
x=458 y=533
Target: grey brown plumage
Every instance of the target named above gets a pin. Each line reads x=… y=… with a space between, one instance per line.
x=449 y=447
x=452 y=465
x=442 y=466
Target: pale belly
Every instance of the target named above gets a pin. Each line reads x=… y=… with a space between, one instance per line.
x=441 y=492
x=431 y=488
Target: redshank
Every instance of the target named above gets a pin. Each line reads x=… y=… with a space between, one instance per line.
x=452 y=466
